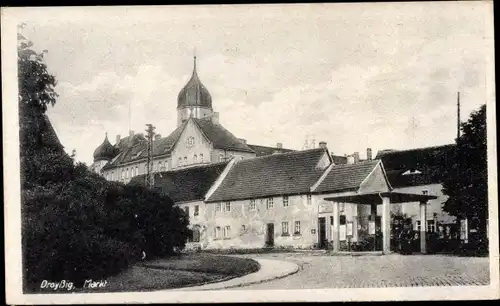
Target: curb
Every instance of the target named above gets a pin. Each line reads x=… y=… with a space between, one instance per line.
x=267 y=267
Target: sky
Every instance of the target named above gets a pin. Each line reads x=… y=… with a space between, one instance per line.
x=380 y=76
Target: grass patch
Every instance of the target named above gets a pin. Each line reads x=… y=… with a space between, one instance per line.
x=184 y=270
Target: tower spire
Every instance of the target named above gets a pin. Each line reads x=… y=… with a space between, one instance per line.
x=194 y=59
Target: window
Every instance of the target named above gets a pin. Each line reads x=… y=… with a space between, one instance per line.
x=185 y=160
x=190 y=141
x=217 y=232
x=186 y=209
x=196 y=210
x=196 y=233
x=243 y=227
x=221 y=158
x=217 y=207
x=431 y=227
x=195 y=159
x=201 y=157
x=425 y=192
x=284 y=229
x=136 y=170
x=126 y=173
x=297 y=228
x=159 y=166
x=252 y=204
x=270 y=203
x=227 y=232
x=123 y=174
x=309 y=199
x=227 y=206
x=285 y=201
x=180 y=161
x=112 y=175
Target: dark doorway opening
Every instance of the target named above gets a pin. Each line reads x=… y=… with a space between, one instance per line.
x=322 y=241
x=270 y=235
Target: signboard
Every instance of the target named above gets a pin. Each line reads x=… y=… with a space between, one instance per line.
x=371 y=227
x=342 y=232
x=349 y=229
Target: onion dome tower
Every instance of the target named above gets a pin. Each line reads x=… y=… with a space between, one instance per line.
x=193 y=100
x=104 y=152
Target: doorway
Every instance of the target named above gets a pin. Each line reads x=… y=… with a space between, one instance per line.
x=270 y=235
x=322 y=241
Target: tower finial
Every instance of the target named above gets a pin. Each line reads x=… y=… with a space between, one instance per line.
x=194 y=58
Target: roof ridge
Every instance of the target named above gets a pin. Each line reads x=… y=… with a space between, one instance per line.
x=416 y=149
x=285 y=153
x=195 y=167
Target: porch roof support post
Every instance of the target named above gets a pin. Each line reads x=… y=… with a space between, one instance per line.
x=386 y=225
x=423 y=227
x=336 y=226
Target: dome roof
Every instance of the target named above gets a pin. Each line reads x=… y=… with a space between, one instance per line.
x=105 y=151
x=194 y=93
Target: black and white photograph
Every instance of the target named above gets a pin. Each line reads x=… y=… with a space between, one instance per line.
x=250 y=153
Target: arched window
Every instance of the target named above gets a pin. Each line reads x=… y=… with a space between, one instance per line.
x=127 y=174
x=123 y=174
x=136 y=170
x=195 y=159
x=201 y=157
x=185 y=160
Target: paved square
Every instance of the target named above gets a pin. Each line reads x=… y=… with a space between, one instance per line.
x=323 y=271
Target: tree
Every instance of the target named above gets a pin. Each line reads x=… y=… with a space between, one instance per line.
x=75 y=224
x=465 y=179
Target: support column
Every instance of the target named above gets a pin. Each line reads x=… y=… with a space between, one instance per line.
x=386 y=225
x=336 y=226
x=423 y=227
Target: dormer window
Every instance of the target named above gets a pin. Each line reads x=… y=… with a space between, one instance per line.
x=411 y=172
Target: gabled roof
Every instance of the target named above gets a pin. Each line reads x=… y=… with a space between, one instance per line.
x=263 y=150
x=346 y=177
x=185 y=185
x=277 y=174
x=219 y=136
x=423 y=160
x=132 y=148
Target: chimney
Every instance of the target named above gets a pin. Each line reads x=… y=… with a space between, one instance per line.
x=369 y=153
x=118 y=139
x=350 y=159
x=131 y=133
x=215 y=118
x=243 y=140
x=356 y=157
x=279 y=145
x=322 y=144
x=158 y=136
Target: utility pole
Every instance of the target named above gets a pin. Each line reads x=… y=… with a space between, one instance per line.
x=149 y=165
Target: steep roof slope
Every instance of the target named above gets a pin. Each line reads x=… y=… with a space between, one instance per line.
x=220 y=137
x=417 y=166
x=189 y=184
x=277 y=174
x=346 y=177
x=263 y=150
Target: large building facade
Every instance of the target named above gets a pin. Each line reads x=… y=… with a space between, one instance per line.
x=199 y=139
x=239 y=195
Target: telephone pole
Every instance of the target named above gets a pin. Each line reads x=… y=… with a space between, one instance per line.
x=149 y=165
